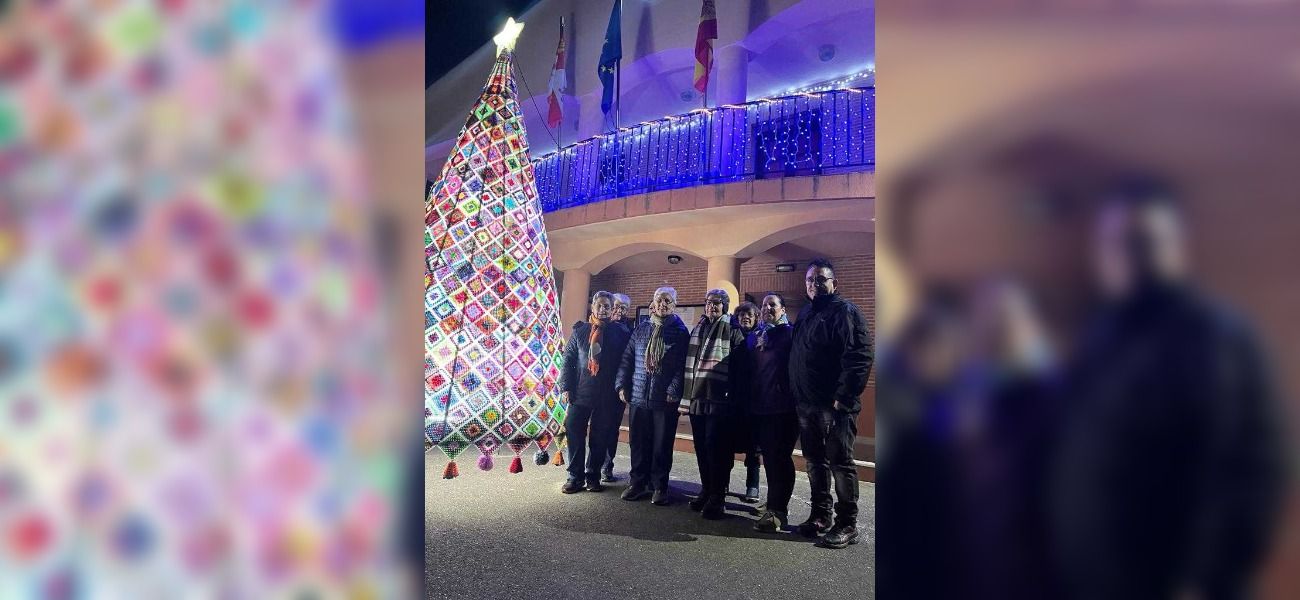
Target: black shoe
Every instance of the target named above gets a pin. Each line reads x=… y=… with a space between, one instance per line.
x=841 y=536
x=571 y=486
x=770 y=522
x=815 y=525
x=713 y=510
x=696 y=504
x=751 y=495
x=634 y=493
x=661 y=498
x=608 y=477
x=593 y=485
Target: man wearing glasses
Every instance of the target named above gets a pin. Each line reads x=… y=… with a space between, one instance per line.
x=830 y=359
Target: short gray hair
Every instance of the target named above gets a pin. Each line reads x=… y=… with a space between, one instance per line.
x=672 y=293
x=623 y=298
x=602 y=294
x=726 y=298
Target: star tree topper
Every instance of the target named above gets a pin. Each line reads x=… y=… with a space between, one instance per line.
x=506 y=39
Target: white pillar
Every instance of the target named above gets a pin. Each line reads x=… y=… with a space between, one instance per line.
x=732 y=71
x=574 y=298
x=724 y=274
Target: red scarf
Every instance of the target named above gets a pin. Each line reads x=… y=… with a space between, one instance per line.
x=593 y=342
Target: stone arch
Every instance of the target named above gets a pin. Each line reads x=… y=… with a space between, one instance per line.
x=801 y=230
x=603 y=260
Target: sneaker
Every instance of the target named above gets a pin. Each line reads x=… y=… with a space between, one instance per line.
x=634 y=493
x=770 y=522
x=696 y=504
x=593 y=485
x=815 y=525
x=713 y=510
x=660 y=498
x=571 y=486
x=608 y=477
x=751 y=495
x=841 y=536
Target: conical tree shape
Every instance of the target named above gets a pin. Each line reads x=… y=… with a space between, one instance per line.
x=493 y=338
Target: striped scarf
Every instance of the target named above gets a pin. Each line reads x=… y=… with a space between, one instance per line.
x=654 y=350
x=593 y=342
x=710 y=346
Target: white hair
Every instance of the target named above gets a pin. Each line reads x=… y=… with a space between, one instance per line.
x=672 y=293
x=623 y=298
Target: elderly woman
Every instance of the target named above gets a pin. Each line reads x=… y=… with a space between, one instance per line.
x=772 y=409
x=619 y=315
x=650 y=382
x=591 y=360
x=747 y=319
x=715 y=409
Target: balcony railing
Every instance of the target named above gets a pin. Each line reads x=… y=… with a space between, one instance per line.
x=806 y=134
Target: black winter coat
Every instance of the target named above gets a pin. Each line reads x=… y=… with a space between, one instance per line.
x=768 y=372
x=653 y=391
x=584 y=388
x=830 y=355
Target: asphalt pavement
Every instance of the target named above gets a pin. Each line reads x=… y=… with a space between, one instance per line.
x=501 y=535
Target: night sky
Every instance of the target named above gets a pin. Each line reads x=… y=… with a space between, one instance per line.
x=454 y=29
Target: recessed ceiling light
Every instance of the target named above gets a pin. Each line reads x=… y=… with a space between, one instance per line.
x=674 y=259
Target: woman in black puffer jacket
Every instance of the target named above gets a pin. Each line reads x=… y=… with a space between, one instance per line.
x=650 y=382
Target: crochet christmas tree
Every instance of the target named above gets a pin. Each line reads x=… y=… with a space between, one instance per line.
x=493 y=339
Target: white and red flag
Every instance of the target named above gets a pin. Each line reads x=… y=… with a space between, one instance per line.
x=556 y=112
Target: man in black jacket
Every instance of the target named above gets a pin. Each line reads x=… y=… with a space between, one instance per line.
x=1170 y=468
x=830 y=359
x=622 y=304
x=591 y=362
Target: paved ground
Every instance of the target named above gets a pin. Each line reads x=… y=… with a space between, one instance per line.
x=501 y=535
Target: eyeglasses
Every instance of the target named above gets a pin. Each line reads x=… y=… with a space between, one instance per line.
x=819 y=279
x=714 y=302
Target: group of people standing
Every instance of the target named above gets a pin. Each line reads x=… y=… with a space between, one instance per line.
x=751 y=383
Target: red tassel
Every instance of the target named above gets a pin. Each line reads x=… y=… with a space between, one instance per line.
x=451 y=471
x=516 y=465
x=559 y=458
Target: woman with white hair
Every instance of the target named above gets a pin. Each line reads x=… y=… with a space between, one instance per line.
x=650 y=383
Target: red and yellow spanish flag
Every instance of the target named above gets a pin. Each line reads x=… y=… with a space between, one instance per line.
x=556 y=113
x=704 y=36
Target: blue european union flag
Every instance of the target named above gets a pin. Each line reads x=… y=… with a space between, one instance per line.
x=610 y=55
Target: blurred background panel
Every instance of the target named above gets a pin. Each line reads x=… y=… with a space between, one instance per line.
x=1011 y=115
x=199 y=273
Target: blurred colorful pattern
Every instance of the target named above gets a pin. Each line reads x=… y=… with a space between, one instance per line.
x=193 y=397
x=492 y=328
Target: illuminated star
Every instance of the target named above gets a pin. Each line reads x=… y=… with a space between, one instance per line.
x=506 y=39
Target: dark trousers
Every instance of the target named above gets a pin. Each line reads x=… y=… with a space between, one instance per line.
x=651 y=438
x=777 y=435
x=714 y=452
x=826 y=436
x=586 y=427
x=611 y=442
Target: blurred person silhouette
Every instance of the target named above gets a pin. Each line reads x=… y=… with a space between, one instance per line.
x=918 y=474
x=1170 y=468
x=1005 y=414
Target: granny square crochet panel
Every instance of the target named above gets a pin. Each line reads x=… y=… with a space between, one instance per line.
x=493 y=339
